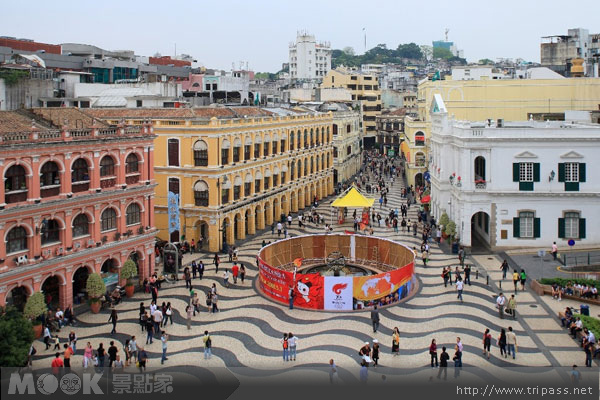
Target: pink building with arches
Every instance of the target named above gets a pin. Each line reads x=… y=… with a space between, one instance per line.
x=77 y=198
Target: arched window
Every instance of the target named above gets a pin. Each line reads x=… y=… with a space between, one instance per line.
x=267 y=179
x=247 y=185
x=291 y=140
x=237 y=148
x=306 y=139
x=237 y=187
x=305 y=166
x=133 y=214
x=293 y=170
x=274 y=141
x=282 y=143
x=109 y=220
x=14 y=180
x=50 y=231
x=132 y=164
x=200 y=153
x=107 y=166
x=312 y=164
x=225 y=145
x=257 y=179
x=247 y=147
x=479 y=169
x=201 y=194
x=266 y=145
x=257 y=143
x=79 y=170
x=419 y=159
x=275 y=176
x=81 y=225
x=49 y=174
x=16 y=240
x=312 y=138
x=317 y=164
x=419 y=139
x=298 y=140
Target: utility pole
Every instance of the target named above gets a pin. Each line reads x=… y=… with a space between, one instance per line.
x=365 y=33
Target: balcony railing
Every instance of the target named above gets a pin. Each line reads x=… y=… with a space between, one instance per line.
x=480 y=184
x=16 y=196
x=131 y=179
x=81 y=186
x=106 y=183
x=49 y=191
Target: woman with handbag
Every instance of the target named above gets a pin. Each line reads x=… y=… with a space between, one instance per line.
x=396 y=341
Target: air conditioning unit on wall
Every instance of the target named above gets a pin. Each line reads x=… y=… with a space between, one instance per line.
x=21 y=260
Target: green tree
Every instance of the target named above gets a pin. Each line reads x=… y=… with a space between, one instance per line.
x=16 y=336
x=35 y=306
x=95 y=286
x=440 y=52
x=410 y=50
x=349 y=51
x=485 y=61
x=450 y=229
x=129 y=271
x=444 y=220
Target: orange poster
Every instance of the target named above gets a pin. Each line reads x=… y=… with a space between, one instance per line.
x=377 y=286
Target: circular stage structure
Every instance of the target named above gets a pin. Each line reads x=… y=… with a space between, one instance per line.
x=336 y=272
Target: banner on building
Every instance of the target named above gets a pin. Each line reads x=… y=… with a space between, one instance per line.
x=173 y=209
x=308 y=291
x=338 y=293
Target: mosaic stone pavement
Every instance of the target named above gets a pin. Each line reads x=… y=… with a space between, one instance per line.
x=247 y=330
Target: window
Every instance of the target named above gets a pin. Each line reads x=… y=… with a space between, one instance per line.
x=15 y=179
x=282 y=145
x=224 y=196
x=266 y=147
x=305 y=139
x=275 y=180
x=257 y=185
x=201 y=194
x=108 y=220
x=247 y=188
x=50 y=231
x=131 y=164
x=256 y=150
x=236 y=154
x=267 y=182
x=571 y=173
x=79 y=170
x=237 y=188
x=526 y=173
x=207 y=86
x=16 y=240
x=225 y=152
x=138 y=103
x=80 y=226
x=526 y=224
x=349 y=150
x=419 y=139
x=348 y=128
x=133 y=214
x=291 y=141
x=572 y=226
x=173 y=152
x=200 y=154
x=274 y=147
x=107 y=166
x=247 y=149
x=49 y=174
x=174 y=185
x=419 y=160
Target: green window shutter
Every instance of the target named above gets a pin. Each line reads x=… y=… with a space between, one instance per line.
x=561 y=172
x=526 y=186
x=561 y=228
x=516 y=170
x=516 y=227
x=536 y=228
x=581 y=228
x=581 y=172
x=536 y=172
x=571 y=186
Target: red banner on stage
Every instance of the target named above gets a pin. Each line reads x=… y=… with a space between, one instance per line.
x=275 y=282
x=309 y=291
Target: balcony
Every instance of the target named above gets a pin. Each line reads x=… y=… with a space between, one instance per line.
x=81 y=186
x=480 y=184
x=132 y=179
x=16 y=196
x=107 y=183
x=49 y=191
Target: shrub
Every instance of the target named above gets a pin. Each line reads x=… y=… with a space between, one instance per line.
x=95 y=286
x=450 y=229
x=16 y=335
x=593 y=324
x=128 y=271
x=563 y=281
x=35 y=306
x=444 y=220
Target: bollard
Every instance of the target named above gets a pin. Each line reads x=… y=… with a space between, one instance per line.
x=500 y=284
x=476 y=274
x=487 y=280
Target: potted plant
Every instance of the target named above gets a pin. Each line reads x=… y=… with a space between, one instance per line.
x=128 y=272
x=444 y=223
x=95 y=289
x=450 y=229
x=35 y=306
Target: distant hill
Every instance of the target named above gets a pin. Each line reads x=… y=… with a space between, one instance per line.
x=379 y=54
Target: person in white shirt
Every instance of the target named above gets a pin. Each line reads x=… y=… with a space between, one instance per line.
x=279 y=228
x=500 y=303
x=459 y=288
x=226 y=278
x=292 y=342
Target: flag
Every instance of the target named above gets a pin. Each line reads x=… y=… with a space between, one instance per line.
x=436 y=76
x=298 y=262
x=257 y=99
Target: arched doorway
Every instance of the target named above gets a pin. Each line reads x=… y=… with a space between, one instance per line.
x=480 y=232
x=201 y=232
x=110 y=273
x=276 y=217
x=419 y=180
x=51 y=291
x=79 y=283
x=247 y=219
x=257 y=213
x=479 y=169
x=18 y=297
x=224 y=229
x=236 y=227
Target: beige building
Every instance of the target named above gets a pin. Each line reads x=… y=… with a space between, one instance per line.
x=346 y=143
x=236 y=170
x=364 y=88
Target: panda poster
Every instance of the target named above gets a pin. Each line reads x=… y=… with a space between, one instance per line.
x=308 y=291
x=338 y=292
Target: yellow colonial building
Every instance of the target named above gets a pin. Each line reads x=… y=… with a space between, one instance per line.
x=364 y=88
x=236 y=170
x=505 y=99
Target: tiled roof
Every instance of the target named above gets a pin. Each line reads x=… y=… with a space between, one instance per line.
x=196 y=112
x=11 y=121
x=73 y=117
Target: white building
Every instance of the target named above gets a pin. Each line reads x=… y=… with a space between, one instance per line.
x=516 y=184
x=477 y=73
x=308 y=59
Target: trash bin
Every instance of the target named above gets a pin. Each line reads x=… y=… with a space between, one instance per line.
x=584 y=309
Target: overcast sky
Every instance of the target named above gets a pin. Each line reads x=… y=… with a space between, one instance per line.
x=220 y=32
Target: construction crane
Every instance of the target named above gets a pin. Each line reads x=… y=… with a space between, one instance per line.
x=447 y=30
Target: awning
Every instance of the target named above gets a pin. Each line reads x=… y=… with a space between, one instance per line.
x=406 y=150
x=425 y=199
x=353 y=198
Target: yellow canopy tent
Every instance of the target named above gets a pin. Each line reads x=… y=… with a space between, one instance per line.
x=353 y=198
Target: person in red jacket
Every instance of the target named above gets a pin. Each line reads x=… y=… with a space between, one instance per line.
x=235 y=270
x=57 y=364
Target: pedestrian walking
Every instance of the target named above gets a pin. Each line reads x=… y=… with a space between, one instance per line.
x=516 y=279
x=502 y=343
x=459 y=351
x=200 y=269
x=467 y=271
x=446 y=275
x=226 y=278
x=207 y=345
x=504 y=269
x=214 y=300
x=500 y=303
x=285 y=345
x=375 y=352
x=216 y=260
x=333 y=373
x=73 y=341
x=523 y=279
x=168 y=314
x=235 y=270
x=188 y=278
x=487 y=342
x=459 y=288
x=444 y=357
x=364 y=374
x=112 y=353
x=189 y=310
x=511 y=342
x=461 y=256
x=375 y=318
x=512 y=306
x=88 y=354
x=133 y=348
x=113 y=318
x=100 y=353
x=164 y=338
x=554 y=250
x=142 y=359
x=396 y=341
x=47 y=336
x=149 y=330
x=433 y=353
x=242 y=273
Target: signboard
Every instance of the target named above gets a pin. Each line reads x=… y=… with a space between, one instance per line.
x=571 y=242
x=541 y=253
x=338 y=292
x=391 y=153
x=308 y=291
x=110 y=279
x=374 y=287
x=274 y=282
x=173 y=208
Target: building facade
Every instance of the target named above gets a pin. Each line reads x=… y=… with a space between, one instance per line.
x=75 y=200
x=309 y=60
x=516 y=184
x=558 y=52
x=346 y=145
x=236 y=170
x=390 y=131
x=364 y=88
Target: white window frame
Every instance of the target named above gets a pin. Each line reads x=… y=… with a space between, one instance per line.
x=526 y=221
x=572 y=224
x=526 y=172
x=572 y=172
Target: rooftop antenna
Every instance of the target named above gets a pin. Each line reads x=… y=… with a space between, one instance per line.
x=447 y=30
x=365 y=32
